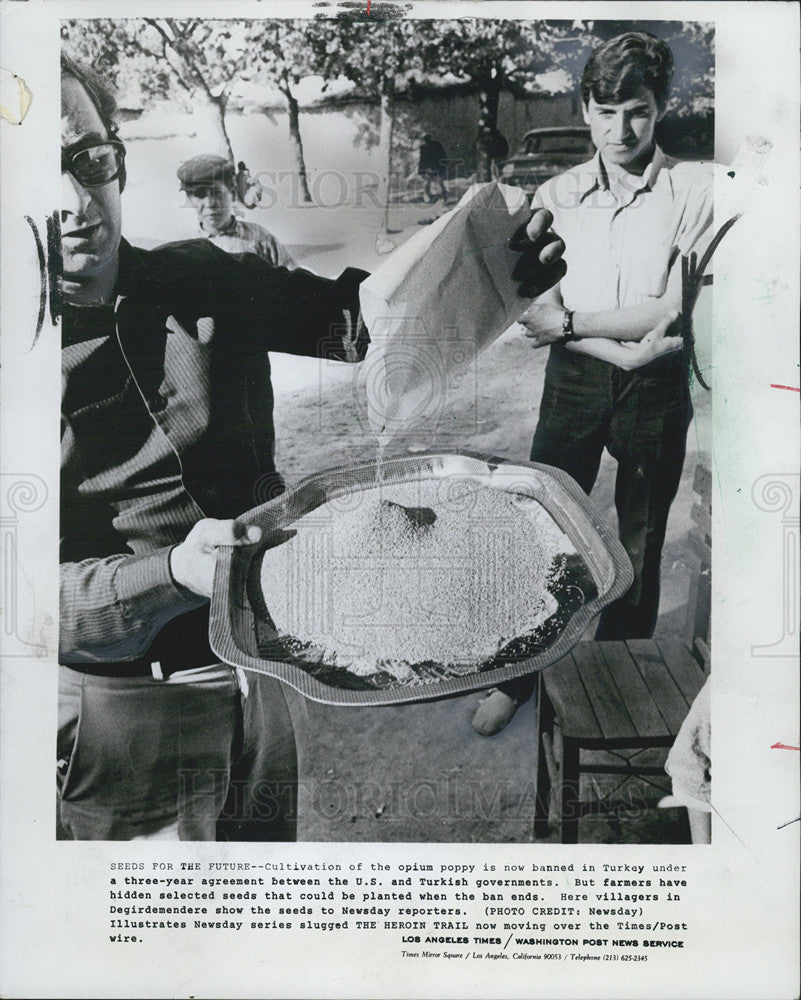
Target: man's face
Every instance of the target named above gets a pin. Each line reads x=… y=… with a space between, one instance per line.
x=624 y=133
x=213 y=203
x=91 y=217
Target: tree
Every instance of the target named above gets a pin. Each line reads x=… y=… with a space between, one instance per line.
x=390 y=55
x=492 y=56
x=206 y=57
x=199 y=57
x=202 y=59
x=110 y=47
x=282 y=51
x=378 y=54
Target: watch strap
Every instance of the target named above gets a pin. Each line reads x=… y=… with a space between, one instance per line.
x=568 y=333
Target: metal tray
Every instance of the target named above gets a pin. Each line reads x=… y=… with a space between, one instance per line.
x=242 y=633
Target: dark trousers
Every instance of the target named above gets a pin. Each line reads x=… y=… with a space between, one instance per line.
x=641 y=418
x=180 y=760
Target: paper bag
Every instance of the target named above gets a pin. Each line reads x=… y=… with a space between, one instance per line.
x=435 y=304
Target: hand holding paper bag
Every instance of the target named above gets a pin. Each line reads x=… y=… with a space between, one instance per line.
x=447 y=294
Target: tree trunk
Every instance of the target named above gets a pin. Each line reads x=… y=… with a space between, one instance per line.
x=385 y=145
x=488 y=98
x=294 y=135
x=219 y=105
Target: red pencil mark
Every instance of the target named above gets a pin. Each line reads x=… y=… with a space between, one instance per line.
x=368 y=6
x=790 y=388
x=782 y=746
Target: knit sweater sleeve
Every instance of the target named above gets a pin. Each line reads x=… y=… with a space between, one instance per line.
x=112 y=608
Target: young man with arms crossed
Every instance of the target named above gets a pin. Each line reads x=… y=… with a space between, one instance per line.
x=613 y=379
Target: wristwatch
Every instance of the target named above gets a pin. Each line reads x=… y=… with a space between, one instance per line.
x=567 y=327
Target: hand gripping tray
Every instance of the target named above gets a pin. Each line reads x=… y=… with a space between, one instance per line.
x=243 y=634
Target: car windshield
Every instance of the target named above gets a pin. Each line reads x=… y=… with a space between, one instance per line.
x=558 y=144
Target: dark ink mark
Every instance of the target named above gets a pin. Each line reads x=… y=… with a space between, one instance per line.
x=377 y=10
x=692 y=275
x=730 y=173
x=42 y=280
x=49 y=272
x=54 y=265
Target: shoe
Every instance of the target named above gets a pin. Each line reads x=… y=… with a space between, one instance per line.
x=494 y=713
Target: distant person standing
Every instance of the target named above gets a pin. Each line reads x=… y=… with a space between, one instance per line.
x=491 y=151
x=432 y=167
x=209 y=184
x=497 y=150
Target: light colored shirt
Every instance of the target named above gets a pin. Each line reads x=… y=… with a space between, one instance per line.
x=247 y=237
x=622 y=240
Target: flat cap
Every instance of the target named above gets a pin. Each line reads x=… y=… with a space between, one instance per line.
x=205 y=169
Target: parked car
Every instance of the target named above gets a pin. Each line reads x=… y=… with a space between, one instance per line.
x=545 y=152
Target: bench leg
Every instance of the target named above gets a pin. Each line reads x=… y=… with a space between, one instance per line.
x=570 y=805
x=544 y=733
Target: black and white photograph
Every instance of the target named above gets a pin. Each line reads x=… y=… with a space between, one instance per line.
x=435 y=560
x=428 y=387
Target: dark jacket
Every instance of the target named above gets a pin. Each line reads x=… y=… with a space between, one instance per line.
x=194 y=325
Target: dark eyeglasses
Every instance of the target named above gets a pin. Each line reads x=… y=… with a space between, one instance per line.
x=94 y=163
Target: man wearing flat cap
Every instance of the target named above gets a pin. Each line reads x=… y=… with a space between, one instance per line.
x=209 y=184
x=208 y=181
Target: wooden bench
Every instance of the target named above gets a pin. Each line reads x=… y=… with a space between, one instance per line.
x=616 y=696
x=608 y=696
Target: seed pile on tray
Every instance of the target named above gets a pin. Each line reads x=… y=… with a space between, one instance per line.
x=374 y=585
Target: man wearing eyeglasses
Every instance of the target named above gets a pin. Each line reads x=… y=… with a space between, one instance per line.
x=157 y=739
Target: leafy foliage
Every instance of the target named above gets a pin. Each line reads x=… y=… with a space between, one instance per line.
x=374 y=52
x=200 y=57
x=384 y=56
x=377 y=55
